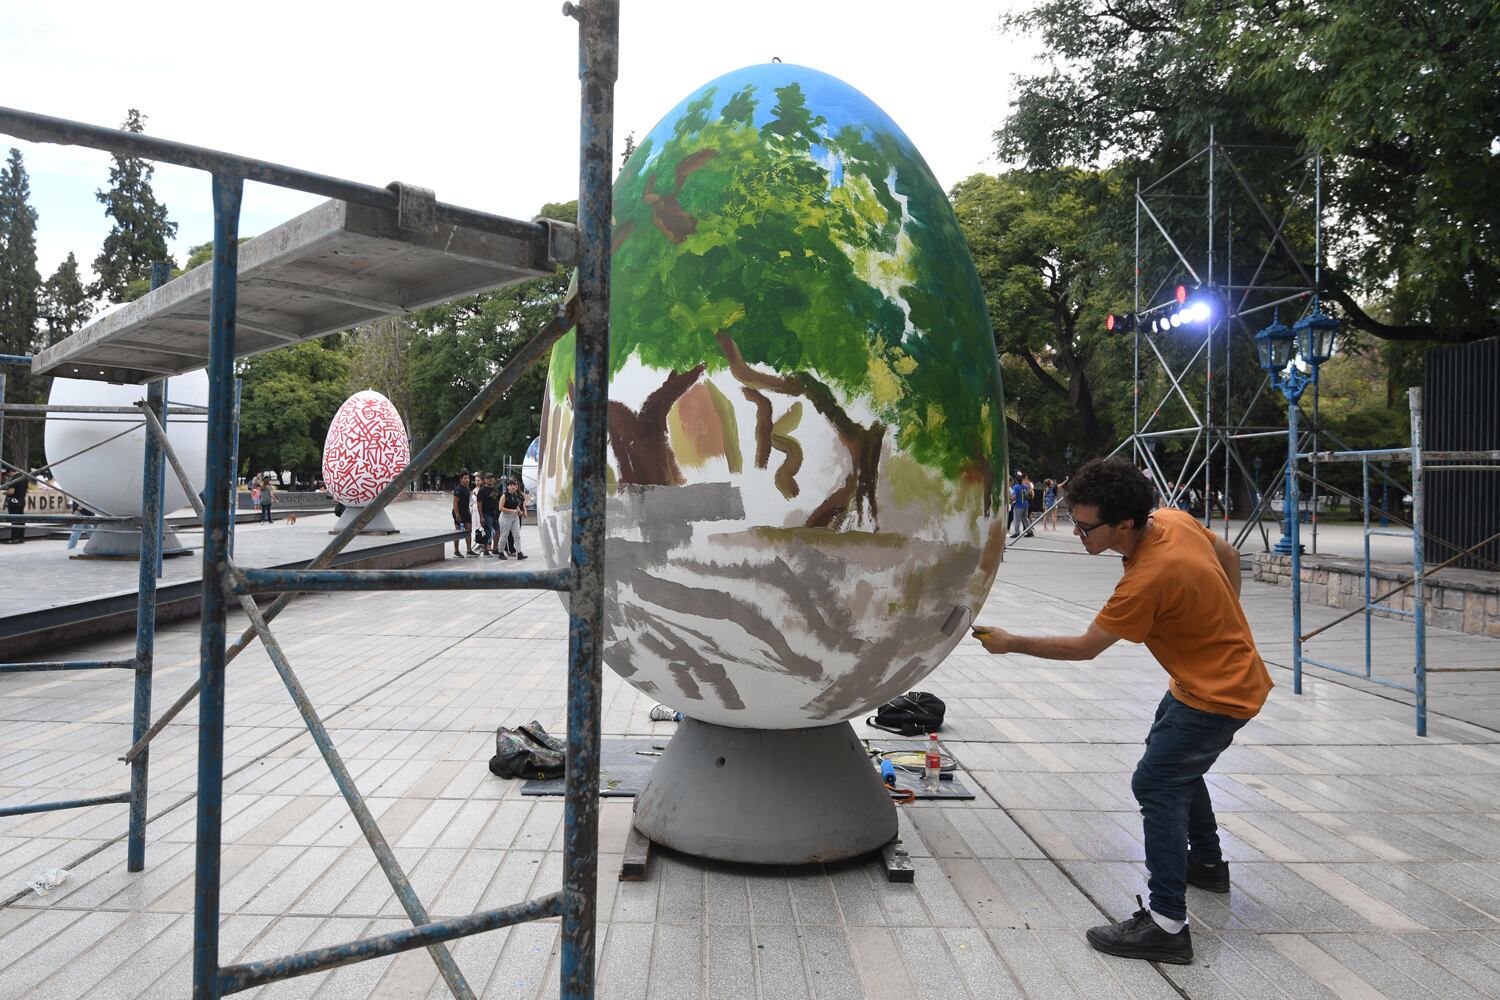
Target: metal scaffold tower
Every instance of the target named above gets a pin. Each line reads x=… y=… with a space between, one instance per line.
x=1186 y=370
x=402 y=249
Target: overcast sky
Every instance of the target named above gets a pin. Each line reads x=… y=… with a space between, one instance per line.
x=478 y=101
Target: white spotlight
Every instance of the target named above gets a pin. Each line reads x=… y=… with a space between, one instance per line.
x=1199 y=311
x=1176 y=319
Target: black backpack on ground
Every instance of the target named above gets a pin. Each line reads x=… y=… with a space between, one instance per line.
x=527 y=752
x=913 y=714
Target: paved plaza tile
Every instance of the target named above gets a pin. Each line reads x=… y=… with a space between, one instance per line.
x=1366 y=860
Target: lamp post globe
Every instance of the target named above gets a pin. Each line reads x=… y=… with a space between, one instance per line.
x=1273 y=346
x=1315 y=336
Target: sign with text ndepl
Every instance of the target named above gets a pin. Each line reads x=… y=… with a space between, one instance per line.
x=43 y=500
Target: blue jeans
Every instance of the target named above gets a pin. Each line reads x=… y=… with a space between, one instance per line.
x=491 y=524
x=1175 y=809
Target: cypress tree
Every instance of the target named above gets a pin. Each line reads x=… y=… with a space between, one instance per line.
x=141 y=227
x=19 y=283
x=65 y=302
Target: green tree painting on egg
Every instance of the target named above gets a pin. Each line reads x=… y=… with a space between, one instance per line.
x=817 y=265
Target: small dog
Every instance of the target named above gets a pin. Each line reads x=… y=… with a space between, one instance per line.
x=291 y=519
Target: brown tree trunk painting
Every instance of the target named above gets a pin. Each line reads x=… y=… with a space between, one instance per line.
x=777 y=434
x=857 y=492
x=639 y=438
x=980 y=467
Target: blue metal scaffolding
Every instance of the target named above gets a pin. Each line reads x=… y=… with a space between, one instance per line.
x=1422 y=464
x=151 y=526
x=223 y=583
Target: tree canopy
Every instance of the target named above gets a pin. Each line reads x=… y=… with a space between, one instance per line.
x=19 y=287
x=65 y=303
x=287 y=401
x=1052 y=267
x=457 y=347
x=1401 y=99
x=141 y=229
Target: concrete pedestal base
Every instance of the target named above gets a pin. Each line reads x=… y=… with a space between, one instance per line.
x=125 y=543
x=380 y=524
x=766 y=796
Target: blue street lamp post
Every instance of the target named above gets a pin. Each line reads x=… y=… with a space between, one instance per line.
x=1292 y=356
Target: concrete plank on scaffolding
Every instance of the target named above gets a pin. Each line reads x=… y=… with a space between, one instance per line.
x=329 y=269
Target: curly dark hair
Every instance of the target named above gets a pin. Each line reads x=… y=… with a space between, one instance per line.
x=1116 y=487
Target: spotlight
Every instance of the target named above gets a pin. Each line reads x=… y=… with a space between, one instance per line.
x=1199 y=311
x=1176 y=320
x=1181 y=294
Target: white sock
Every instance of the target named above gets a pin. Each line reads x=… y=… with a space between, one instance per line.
x=1167 y=923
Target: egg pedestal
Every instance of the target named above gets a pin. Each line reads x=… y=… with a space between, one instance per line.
x=761 y=796
x=806 y=447
x=380 y=524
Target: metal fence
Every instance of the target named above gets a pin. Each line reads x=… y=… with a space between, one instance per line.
x=1463 y=414
x=226 y=585
x=1423 y=464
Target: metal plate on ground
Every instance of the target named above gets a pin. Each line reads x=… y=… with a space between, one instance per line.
x=622 y=768
x=331 y=268
x=625 y=763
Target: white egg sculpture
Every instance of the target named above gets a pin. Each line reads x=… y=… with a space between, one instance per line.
x=365 y=449
x=530 y=465
x=108 y=477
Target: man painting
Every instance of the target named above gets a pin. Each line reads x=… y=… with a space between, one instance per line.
x=1179 y=595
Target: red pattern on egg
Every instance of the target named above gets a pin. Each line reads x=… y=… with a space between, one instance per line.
x=365 y=449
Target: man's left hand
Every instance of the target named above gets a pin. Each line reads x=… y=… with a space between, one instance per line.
x=995 y=640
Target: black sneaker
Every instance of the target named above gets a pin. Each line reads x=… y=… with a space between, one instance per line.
x=1212 y=878
x=1140 y=937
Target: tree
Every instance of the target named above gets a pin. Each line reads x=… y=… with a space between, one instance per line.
x=19 y=286
x=836 y=272
x=1402 y=99
x=65 y=303
x=1052 y=268
x=141 y=228
x=459 y=346
x=379 y=354
x=287 y=401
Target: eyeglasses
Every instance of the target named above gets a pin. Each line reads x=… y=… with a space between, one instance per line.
x=1082 y=529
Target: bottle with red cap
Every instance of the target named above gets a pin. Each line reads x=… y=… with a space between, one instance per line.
x=933 y=765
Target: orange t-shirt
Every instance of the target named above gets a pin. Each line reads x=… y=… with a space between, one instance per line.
x=1176 y=598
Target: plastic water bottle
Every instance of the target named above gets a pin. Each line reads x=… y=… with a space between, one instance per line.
x=933 y=768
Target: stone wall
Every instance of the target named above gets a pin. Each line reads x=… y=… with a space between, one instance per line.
x=1463 y=600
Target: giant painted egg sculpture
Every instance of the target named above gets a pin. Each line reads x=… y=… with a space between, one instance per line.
x=365 y=449
x=806 y=425
x=91 y=458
